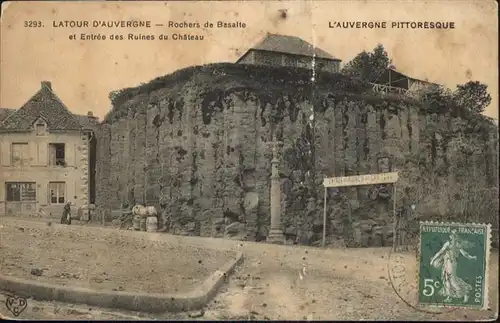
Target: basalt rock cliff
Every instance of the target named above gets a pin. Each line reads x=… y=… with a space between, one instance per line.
x=196 y=145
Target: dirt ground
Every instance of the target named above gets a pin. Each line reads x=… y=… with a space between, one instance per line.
x=355 y=287
x=296 y=283
x=105 y=260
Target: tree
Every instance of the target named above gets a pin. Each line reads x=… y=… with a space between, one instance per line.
x=113 y=95
x=473 y=96
x=368 y=65
x=436 y=98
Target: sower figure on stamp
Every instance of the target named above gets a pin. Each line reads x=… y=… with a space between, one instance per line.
x=66 y=216
x=447 y=259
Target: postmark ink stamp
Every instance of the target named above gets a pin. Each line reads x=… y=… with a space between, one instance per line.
x=453 y=265
x=403 y=278
x=16 y=305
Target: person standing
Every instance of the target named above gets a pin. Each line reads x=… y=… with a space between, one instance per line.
x=66 y=216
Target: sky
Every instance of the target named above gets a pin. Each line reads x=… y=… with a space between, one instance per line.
x=83 y=72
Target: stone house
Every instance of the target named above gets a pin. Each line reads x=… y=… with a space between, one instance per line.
x=282 y=50
x=47 y=157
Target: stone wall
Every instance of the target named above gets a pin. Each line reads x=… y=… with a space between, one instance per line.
x=198 y=150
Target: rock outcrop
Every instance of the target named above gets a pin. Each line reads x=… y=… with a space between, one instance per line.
x=193 y=144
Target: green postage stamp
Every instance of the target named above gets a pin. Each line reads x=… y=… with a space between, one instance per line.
x=453 y=269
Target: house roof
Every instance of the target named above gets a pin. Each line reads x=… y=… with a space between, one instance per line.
x=291 y=45
x=4 y=113
x=86 y=122
x=45 y=104
x=83 y=120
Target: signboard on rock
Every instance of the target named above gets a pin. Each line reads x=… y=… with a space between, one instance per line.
x=382 y=178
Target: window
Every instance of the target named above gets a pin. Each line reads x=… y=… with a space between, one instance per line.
x=40 y=129
x=20 y=154
x=57 y=155
x=336 y=67
x=20 y=192
x=56 y=191
x=304 y=64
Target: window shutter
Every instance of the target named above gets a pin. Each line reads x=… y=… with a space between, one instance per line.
x=69 y=154
x=4 y=153
x=32 y=153
x=42 y=154
x=52 y=155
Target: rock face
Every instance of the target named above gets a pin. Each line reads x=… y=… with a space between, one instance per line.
x=193 y=144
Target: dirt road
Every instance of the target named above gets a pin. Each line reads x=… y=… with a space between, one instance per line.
x=296 y=282
x=103 y=260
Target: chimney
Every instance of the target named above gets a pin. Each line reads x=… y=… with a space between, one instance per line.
x=47 y=84
x=91 y=116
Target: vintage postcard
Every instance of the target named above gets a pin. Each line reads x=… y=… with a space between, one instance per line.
x=249 y=160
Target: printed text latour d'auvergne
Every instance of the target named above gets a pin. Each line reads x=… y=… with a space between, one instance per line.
x=145 y=24
x=392 y=24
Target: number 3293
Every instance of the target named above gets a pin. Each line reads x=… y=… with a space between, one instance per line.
x=33 y=24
